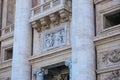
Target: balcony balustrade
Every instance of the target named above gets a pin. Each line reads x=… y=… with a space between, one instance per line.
x=52 y=12
x=50 y=7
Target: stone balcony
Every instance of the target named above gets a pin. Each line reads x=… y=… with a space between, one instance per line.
x=54 y=11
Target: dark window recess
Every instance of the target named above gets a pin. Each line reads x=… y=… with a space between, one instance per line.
x=112 y=19
x=8 y=54
x=8 y=78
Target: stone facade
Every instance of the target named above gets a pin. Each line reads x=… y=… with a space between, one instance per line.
x=107 y=41
x=60 y=40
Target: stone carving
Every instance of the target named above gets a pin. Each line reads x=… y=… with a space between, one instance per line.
x=36 y=25
x=49 y=40
x=55 y=39
x=38 y=74
x=64 y=15
x=114 y=76
x=112 y=56
x=69 y=64
x=54 y=18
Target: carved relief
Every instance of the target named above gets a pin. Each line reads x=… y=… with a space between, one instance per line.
x=114 y=76
x=112 y=56
x=49 y=40
x=55 y=38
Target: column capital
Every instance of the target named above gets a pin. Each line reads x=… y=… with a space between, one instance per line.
x=68 y=63
x=39 y=72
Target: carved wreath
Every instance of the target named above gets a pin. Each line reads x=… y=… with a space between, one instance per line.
x=112 y=56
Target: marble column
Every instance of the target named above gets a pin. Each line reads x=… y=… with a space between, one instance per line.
x=22 y=41
x=83 y=55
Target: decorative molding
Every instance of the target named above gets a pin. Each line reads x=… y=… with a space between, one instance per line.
x=64 y=15
x=36 y=25
x=112 y=56
x=45 y=22
x=54 y=18
x=115 y=75
x=51 y=54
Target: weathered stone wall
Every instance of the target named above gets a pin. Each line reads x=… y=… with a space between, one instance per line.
x=107 y=41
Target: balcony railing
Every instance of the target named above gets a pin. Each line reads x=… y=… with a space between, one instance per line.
x=7 y=29
x=49 y=5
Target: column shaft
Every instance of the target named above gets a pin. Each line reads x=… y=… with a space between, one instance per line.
x=83 y=56
x=22 y=41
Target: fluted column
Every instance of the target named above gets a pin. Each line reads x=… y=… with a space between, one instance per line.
x=83 y=55
x=22 y=41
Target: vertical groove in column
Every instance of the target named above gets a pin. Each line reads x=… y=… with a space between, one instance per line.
x=22 y=41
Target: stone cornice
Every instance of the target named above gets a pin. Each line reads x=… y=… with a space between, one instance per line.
x=104 y=70
x=101 y=39
x=4 y=37
x=54 y=18
x=100 y=1
x=50 y=54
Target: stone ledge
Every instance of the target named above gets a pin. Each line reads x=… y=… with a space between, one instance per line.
x=101 y=39
x=4 y=37
x=50 y=54
x=100 y=1
x=6 y=63
x=5 y=69
x=108 y=69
